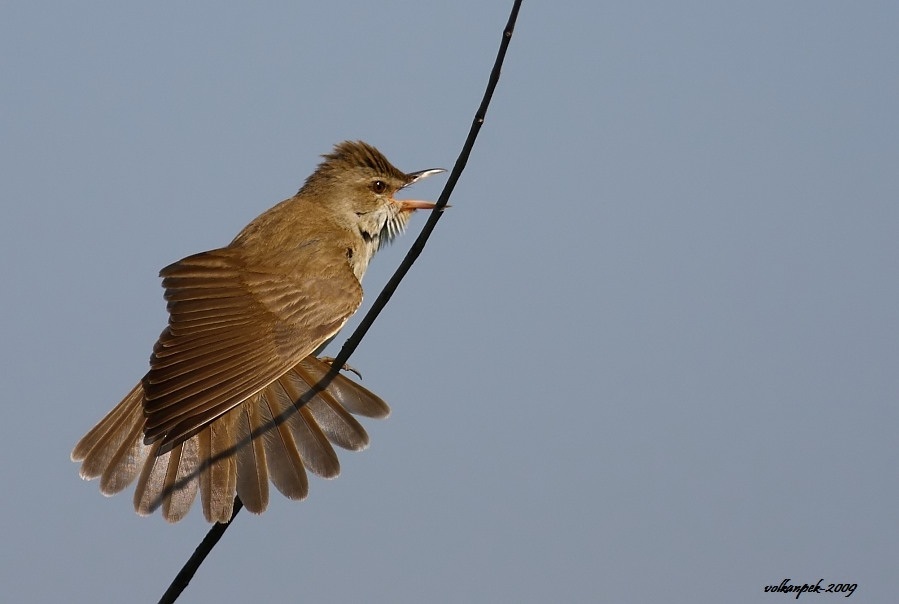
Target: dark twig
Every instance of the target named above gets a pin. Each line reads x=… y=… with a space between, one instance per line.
x=419 y=244
x=194 y=562
x=215 y=533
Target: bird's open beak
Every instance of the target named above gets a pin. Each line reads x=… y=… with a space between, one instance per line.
x=409 y=205
x=414 y=177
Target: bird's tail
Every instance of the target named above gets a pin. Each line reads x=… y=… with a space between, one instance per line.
x=266 y=438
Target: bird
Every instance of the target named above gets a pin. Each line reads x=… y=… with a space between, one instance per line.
x=221 y=411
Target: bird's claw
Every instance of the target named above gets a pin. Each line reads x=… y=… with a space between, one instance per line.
x=346 y=366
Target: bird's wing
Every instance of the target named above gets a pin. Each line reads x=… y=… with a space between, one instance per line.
x=232 y=331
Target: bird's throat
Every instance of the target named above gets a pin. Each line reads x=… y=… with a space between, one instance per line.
x=369 y=244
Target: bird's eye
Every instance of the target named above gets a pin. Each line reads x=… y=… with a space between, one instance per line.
x=378 y=186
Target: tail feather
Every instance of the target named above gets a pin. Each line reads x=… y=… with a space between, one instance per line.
x=98 y=446
x=267 y=438
x=179 y=490
x=286 y=468
x=354 y=398
x=218 y=472
x=341 y=428
x=151 y=481
x=125 y=463
x=252 y=469
x=317 y=453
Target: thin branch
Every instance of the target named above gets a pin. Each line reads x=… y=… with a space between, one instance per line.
x=215 y=533
x=194 y=562
x=353 y=341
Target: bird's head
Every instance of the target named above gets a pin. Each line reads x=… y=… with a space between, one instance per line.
x=360 y=184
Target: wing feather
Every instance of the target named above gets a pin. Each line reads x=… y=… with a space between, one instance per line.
x=233 y=330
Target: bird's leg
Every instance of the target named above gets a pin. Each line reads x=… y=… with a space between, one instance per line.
x=346 y=366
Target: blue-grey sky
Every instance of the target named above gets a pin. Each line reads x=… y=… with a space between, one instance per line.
x=651 y=353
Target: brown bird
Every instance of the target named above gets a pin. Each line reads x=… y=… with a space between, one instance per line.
x=217 y=412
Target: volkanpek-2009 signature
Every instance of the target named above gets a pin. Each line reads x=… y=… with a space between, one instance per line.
x=812 y=588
